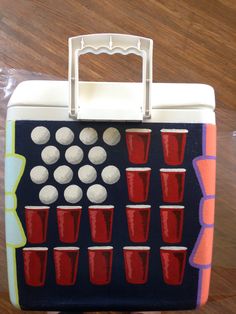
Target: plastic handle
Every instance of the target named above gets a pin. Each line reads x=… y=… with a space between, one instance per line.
x=110 y=44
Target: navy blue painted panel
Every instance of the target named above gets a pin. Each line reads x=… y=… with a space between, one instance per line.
x=118 y=295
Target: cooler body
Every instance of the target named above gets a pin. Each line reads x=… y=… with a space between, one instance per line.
x=109 y=215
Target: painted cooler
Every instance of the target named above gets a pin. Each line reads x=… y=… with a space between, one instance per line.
x=110 y=189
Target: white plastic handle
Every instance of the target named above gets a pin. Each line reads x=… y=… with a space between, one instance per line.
x=110 y=44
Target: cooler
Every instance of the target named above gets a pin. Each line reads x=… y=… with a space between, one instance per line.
x=110 y=189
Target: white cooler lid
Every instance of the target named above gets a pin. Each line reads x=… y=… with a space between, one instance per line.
x=164 y=95
x=171 y=99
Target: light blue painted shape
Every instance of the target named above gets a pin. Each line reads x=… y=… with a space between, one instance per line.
x=9 y=136
x=13 y=168
x=10 y=201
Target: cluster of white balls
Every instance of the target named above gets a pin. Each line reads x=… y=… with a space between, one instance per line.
x=63 y=174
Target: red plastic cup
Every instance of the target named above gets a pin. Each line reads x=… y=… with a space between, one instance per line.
x=36 y=219
x=172 y=182
x=138 y=180
x=101 y=219
x=172 y=218
x=35 y=264
x=138 y=143
x=66 y=265
x=173 y=143
x=173 y=260
x=100 y=264
x=138 y=218
x=68 y=220
x=136 y=260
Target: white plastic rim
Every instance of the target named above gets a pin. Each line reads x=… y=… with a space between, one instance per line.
x=69 y=207
x=98 y=248
x=174 y=131
x=138 y=169
x=66 y=248
x=137 y=248
x=100 y=206
x=37 y=207
x=138 y=130
x=35 y=249
x=138 y=206
x=46 y=112
x=171 y=206
x=172 y=170
x=173 y=248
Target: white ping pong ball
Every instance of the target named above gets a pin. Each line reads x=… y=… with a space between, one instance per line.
x=73 y=194
x=64 y=136
x=87 y=174
x=88 y=136
x=111 y=136
x=39 y=174
x=97 y=155
x=74 y=155
x=63 y=174
x=110 y=174
x=40 y=135
x=48 y=194
x=50 y=155
x=97 y=193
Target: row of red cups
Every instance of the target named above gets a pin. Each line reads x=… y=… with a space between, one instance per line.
x=172 y=183
x=173 y=144
x=100 y=259
x=101 y=222
x=138 y=219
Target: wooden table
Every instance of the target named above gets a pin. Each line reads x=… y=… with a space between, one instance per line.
x=194 y=41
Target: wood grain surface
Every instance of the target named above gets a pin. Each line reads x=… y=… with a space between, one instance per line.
x=194 y=41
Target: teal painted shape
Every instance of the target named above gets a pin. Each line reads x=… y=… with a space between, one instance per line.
x=13 y=168
x=9 y=136
x=14 y=234
x=9 y=201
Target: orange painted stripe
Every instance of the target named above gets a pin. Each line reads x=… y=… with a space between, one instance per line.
x=203 y=253
x=208 y=211
x=210 y=140
x=205 y=285
x=207 y=171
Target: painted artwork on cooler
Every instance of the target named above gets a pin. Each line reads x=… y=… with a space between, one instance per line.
x=136 y=264
x=172 y=221
x=173 y=144
x=108 y=207
x=100 y=264
x=35 y=265
x=173 y=260
x=101 y=221
x=74 y=155
x=68 y=222
x=136 y=258
x=138 y=220
x=138 y=143
x=66 y=261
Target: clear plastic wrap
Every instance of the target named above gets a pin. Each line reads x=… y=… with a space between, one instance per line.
x=10 y=78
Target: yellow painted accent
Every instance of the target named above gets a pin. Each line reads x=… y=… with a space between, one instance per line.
x=14 y=247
